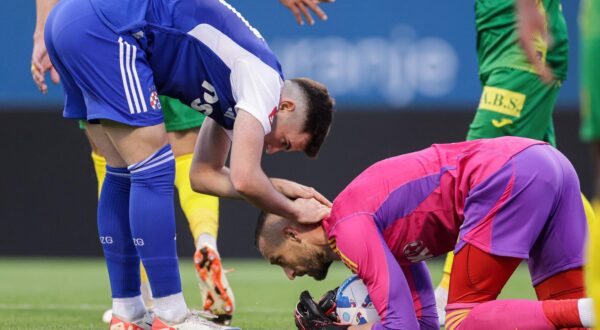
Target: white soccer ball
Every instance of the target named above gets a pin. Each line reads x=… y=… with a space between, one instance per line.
x=354 y=305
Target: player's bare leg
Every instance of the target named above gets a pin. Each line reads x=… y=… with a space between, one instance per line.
x=100 y=169
x=122 y=316
x=150 y=166
x=202 y=214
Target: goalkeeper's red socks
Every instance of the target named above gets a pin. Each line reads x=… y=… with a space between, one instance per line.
x=570 y=313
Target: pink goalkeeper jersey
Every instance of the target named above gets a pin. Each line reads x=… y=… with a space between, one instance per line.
x=406 y=209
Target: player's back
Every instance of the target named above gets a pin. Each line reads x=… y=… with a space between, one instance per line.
x=419 y=197
x=202 y=52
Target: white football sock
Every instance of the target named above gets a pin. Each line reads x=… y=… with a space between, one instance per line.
x=171 y=308
x=205 y=238
x=586 y=312
x=441 y=300
x=130 y=309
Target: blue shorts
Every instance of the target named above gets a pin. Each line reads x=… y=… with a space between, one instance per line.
x=105 y=75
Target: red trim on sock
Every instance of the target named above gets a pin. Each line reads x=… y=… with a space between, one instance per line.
x=564 y=285
x=562 y=313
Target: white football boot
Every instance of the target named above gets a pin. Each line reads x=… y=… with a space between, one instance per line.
x=195 y=320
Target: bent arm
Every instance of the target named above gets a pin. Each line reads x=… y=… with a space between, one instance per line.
x=369 y=256
x=247 y=176
x=421 y=287
x=208 y=173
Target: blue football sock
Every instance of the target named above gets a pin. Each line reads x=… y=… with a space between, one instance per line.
x=152 y=218
x=122 y=258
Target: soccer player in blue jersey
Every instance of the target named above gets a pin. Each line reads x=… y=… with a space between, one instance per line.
x=114 y=58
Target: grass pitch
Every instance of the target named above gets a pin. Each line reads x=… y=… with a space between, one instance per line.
x=38 y=293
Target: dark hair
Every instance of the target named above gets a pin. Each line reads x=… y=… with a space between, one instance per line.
x=319 y=113
x=260 y=223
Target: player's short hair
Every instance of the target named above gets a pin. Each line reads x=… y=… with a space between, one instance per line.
x=319 y=113
x=260 y=223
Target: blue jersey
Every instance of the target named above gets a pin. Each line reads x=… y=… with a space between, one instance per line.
x=202 y=52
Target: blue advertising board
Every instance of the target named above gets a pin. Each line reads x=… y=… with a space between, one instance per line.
x=379 y=53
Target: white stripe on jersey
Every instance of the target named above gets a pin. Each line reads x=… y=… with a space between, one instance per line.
x=130 y=77
x=125 y=86
x=137 y=79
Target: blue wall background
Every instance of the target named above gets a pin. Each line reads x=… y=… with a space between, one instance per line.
x=395 y=54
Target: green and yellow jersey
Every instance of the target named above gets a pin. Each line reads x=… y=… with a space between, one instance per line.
x=497 y=37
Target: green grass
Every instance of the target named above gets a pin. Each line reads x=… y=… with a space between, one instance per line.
x=40 y=293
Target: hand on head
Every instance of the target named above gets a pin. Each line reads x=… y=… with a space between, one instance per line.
x=293 y=190
x=310 y=210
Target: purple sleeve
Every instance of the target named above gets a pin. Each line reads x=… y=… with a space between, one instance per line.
x=419 y=281
x=363 y=249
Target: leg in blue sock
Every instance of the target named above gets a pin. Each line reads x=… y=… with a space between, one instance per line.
x=122 y=258
x=152 y=218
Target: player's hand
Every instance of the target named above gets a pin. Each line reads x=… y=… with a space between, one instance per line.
x=310 y=210
x=531 y=25
x=310 y=316
x=40 y=64
x=295 y=190
x=328 y=305
x=303 y=7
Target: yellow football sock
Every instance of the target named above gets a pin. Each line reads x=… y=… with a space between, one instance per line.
x=100 y=168
x=201 y=211
x=445 y=281
x=592 y=270
x=592 y=210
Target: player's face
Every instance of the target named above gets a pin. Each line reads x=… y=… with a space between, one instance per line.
x=297 y=259
x=286 y=133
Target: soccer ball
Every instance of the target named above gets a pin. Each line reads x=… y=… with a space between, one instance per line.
x=354 y=305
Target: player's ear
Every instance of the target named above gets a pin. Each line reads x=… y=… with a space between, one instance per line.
x=287 y=105
x=291 y=233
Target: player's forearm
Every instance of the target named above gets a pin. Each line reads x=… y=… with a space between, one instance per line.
x=256 y=187
x=210 y=181
x=524 y=7
x=42 y=9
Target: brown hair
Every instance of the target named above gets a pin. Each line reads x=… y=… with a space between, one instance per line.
x=319 y=113
x=260 y=223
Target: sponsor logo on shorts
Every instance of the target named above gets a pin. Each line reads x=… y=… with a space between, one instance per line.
x=416 y=251
x=154 y=101
x=502 y=122
x=502 y=101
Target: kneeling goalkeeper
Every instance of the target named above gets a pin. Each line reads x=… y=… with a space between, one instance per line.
x=494 y=202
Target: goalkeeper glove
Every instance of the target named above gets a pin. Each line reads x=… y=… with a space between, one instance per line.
x=312 y=316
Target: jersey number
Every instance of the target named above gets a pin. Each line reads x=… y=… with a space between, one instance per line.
x=204 y=104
